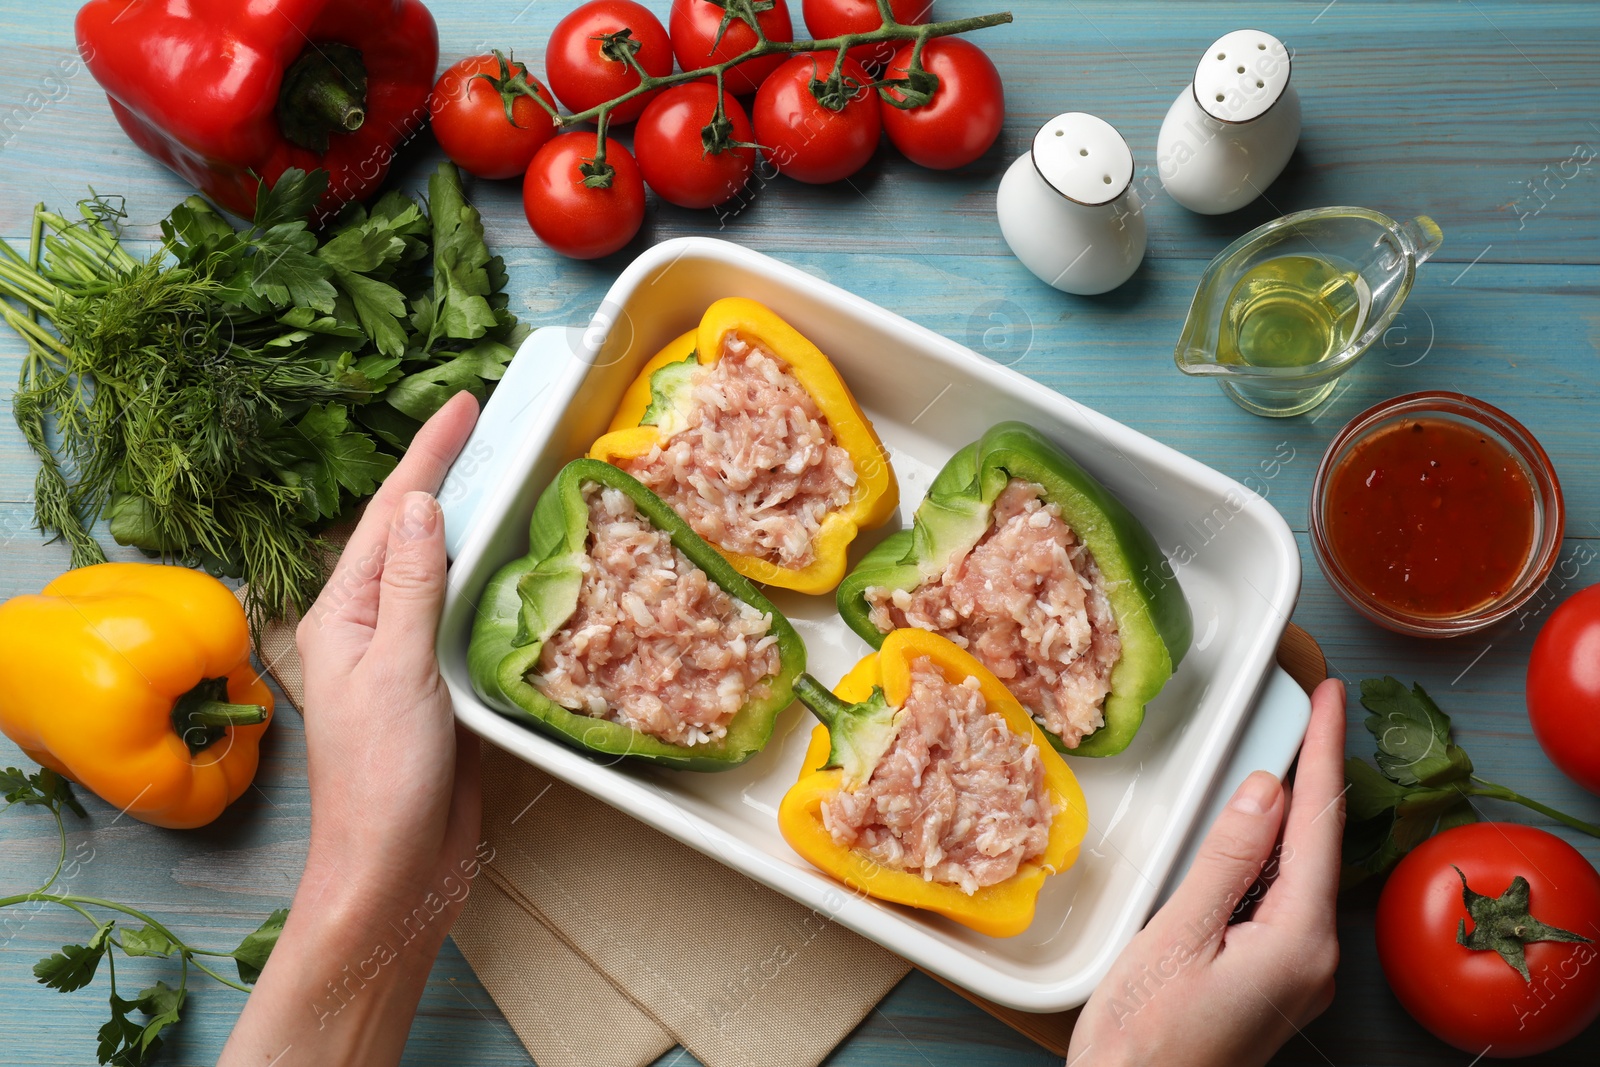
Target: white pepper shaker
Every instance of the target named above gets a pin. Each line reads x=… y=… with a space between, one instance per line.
x=1067 y=207
x=1230 y=133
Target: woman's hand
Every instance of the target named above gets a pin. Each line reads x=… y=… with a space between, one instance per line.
x=394 y=781
x=394 y=788
x=1192 y=989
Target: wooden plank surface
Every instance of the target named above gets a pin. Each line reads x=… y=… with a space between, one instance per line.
x=1452 y=109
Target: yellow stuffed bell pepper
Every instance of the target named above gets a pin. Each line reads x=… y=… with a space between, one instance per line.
x=860 y=720
x=656 y=407
x=134 y=680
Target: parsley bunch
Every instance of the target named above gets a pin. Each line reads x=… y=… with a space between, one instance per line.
x=225 y=400
x=1423 y=782
x=133 y=1034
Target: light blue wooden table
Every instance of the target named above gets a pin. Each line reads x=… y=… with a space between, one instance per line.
x=1464 y=111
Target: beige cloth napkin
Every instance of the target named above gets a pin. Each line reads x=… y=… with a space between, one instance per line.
x=606 y=943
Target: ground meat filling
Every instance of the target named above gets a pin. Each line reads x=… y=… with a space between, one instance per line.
x=1030 y=604
x=958 y=797
x=654 y=644
x=756 y=469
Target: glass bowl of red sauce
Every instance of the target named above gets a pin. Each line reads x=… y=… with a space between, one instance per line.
x=1435 y=514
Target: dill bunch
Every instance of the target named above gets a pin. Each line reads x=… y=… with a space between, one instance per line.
x=224 y=401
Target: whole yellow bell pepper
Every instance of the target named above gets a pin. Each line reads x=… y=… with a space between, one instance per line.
x=134 y=680
x=654 y=407
x=859 y=724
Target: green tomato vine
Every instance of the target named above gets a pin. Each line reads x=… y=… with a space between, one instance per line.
x=832 y=92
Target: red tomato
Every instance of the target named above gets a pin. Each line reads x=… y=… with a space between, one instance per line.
x=965 y=115
x=1564 y=688
x=470 y=123
x=572 y=218
x=693 y=26
x=672 y=156
x=1474 y=999
x=803 y=139
x=835 y=18
x=583 y=76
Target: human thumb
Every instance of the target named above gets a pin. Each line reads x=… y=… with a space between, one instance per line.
x=1230 y=859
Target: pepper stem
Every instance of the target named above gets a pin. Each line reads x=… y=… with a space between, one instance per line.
x=218 y=713
x=823 y=704
x=858 y=734
x=337 y=105
x=202 y=715
x=324 y=92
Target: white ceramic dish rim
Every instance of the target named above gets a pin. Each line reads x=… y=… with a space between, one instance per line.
x=647 y=802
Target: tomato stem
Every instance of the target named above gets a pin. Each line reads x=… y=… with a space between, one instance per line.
x=746 y=11
x=754 y=23
x=1504 y=924
x=891 y=30
x=915 y=89
x=597 y=173
x=512 y=82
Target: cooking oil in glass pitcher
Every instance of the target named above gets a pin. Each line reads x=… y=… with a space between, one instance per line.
x=1292 y=311
x=1286 y=309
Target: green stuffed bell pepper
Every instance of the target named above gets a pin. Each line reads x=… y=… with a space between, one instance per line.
x=1083 y=640
x=623 y=633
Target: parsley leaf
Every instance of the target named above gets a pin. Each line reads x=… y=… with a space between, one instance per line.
x=253 y=951
x=73 y=967
x=460 y=263
x=162 y=1003
x=196 y=223
x=290 y=198
x=284 y=272
x=388 y=424
x=43 y=787
x=1423 y=783
x=125 y=1042
x=119 y=1037
x=333 y=456
x=1413 y=735
x=1370 y=794
x=146 y=941
x=362 y=249
x=380 y=307
x=422 y=393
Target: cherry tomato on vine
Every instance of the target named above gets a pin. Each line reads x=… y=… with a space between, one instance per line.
x=470 y=120
x=965 y=114
x=1474 y=998
x=673 y=157
x=693 y=26
x=1564 y=688
x=834 y=18
x=572 y=218
x=583 y=60
x=806 y=140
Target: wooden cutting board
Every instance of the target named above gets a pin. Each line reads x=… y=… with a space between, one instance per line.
x=1301 y=658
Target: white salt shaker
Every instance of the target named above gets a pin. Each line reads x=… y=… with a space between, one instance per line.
x=1067 y=208
x=1230 y=133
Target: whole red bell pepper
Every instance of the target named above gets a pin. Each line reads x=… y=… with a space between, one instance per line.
x=231 y=92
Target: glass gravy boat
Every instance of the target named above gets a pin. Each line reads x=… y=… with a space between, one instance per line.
x=1277 y=332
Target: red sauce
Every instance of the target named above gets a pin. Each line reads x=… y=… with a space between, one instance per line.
x=1430 y=517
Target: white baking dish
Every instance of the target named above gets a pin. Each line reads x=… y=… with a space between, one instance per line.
x=927 y=396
